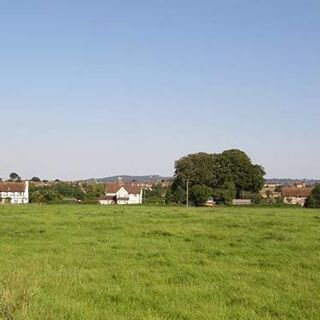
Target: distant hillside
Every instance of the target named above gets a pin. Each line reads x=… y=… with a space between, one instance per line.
x=291 y=181
x=126 y=178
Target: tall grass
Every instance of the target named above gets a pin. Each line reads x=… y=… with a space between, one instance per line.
x=95 y=262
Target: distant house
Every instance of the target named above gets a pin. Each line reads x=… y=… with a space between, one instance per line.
x=122 y=194
x=14 y=192
x=271 y=192
x=297 y=194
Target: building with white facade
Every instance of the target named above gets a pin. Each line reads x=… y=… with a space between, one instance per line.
x=14 y=192
x=122 y=194
x=297 y=194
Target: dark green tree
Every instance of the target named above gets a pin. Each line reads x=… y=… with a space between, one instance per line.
x=178 y=195
x=69 y=190
x=199 y=194
x=45 y=196
x=313 y=201
x=225 y=193
x=155 y=195
x=199 y=168
x=168 y=196
x=14 y=177
x=35 y=179
x=229 y=174
x=245 y=175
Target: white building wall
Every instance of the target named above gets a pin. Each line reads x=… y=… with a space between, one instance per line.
x=135 y=198
x=26 y=192
x=122 y=193
x=17 y=197
x=295 y=200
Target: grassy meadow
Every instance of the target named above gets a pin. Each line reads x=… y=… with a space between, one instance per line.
x=96 y=262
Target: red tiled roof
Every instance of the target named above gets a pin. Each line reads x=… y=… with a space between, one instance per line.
x=12 y=187
x=133 y=189
x=114 y=188
x=296 y=192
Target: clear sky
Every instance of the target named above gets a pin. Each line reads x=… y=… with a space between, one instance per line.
x=96 y=88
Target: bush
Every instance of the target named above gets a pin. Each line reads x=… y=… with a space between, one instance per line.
x=155 y=195
x=90 y=201
x=313 y=200
x=45 y=196
x=254 y=197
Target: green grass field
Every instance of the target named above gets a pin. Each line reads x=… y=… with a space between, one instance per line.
x=95 y=262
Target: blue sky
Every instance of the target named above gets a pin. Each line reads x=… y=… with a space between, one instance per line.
x=96 y=88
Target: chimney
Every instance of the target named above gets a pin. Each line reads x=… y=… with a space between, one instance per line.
x=120 y=181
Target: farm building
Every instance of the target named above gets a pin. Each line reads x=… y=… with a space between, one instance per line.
x=295 y=194
x=14 y=192
x=122 y=194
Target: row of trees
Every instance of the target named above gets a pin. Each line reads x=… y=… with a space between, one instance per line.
x=222 y=177
x=225 y=176
x=14 y=177
x=64 y=191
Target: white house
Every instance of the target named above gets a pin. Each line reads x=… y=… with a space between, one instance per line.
x=14 y=192
x=122 y=194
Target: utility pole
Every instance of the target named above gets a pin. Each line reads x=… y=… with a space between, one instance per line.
x=187 y=194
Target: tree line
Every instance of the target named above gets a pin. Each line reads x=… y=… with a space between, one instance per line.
x=62 y=192
x=219 y=176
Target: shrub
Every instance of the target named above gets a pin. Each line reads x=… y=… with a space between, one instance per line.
x=90 y=201
x=254 y=197
x=313 y=201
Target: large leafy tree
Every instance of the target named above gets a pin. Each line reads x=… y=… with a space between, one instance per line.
x=229 y=174
x=198 y=168
x=201 y=168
